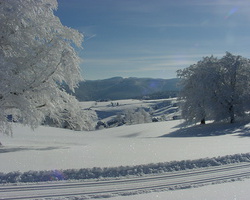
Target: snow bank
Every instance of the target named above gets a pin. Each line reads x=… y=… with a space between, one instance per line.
x=111 y=172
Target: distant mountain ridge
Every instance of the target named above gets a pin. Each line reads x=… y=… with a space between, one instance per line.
x=117 y=88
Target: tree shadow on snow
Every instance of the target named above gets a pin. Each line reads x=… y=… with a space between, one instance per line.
x=132 y=135
x=4 y=149
x=245 y=131
x=213 y=129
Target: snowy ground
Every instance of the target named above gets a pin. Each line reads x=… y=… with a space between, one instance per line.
x=166 y=108
x=238 y=190
x=133 y=185
x=53 y=148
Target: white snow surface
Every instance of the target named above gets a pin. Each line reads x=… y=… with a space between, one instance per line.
x=238 y=190
x=49 y=148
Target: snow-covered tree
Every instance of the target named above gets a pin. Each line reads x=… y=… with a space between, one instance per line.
x=196 y=81
x=37 y=55
x=215 y=89
x=138 y=116
x=232 y=93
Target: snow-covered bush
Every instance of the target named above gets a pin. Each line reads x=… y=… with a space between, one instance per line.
x=81 y=120
x=138 y=170
x=78 y=120
x=138 y=116
x=129 y=117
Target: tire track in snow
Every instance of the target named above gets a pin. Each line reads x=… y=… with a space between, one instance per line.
x=126 y=185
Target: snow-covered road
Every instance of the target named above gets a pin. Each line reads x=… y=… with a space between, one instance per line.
x=132 y=185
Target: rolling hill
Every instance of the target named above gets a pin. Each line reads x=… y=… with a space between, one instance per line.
x=117 y=88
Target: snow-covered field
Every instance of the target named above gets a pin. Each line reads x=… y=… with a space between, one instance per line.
x=49 y=148
x=238 y=190
x=162 y=108
x=53 y=148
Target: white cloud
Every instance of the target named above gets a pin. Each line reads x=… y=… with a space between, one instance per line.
x=90 y=37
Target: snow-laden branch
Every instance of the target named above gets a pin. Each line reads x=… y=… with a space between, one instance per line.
x=37 y=54
x=216 y=89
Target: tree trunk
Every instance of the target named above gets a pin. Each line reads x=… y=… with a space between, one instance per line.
x=203 y=121
x=232 y=117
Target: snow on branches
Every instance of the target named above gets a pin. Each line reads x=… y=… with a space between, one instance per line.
x=216 y=89
x=36 y=55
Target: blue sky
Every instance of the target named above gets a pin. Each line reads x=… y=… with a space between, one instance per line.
x=154 y=38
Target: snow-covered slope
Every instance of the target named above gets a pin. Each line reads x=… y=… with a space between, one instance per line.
x=49 y=148
x=163 y=109
x=53 y=148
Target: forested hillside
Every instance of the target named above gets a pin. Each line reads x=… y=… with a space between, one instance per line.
x=125 y=88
